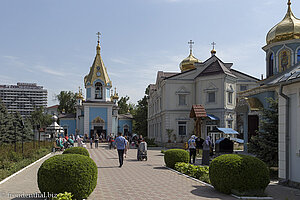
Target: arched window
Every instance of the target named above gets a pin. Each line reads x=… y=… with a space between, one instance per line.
x=98 y=91
x=298 y=56
x=271 y=64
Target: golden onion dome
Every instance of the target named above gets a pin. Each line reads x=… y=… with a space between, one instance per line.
x=287 y=29
x=213 y=52
x=188 y=63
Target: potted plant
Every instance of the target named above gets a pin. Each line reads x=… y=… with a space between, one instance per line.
x=174 y=135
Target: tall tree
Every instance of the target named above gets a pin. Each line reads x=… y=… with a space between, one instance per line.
x=6 y=125
x=265 y=144
x=38 y=117
x=67 y=101
x=125 y=106
x=140 y=115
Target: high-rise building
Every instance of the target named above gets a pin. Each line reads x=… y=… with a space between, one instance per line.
x=23 y=97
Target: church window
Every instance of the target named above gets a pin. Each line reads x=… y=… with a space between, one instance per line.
x=271 y=64
x=211 y=97
x=182 y=99
x=298 y=56
x=98 y=91
x=230 y=94
x=182 y=128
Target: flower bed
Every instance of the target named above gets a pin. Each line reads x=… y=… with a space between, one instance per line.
x=198 y=172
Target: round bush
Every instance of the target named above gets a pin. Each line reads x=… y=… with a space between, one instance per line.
x=68 y=173
x=77 y=150
x=239 y=174
x=172 y=156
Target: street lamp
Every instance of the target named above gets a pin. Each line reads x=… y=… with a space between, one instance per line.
x=15 y=125
x=22 y=124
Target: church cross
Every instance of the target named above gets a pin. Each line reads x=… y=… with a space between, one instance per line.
x=98 y=35
x=191 y=45
x=213 y=44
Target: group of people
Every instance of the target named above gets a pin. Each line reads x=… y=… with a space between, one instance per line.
x=206 y=146
x=65 y=142
x=122 y=146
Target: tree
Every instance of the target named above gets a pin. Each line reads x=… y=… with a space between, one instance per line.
x=6 y=125
x=124 y=107
x=140 y=117
x=67 y=101
x=265 y=144
x=38 y=117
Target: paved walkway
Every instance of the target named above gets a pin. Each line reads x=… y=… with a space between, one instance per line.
x=144 y=179
x=135 y=180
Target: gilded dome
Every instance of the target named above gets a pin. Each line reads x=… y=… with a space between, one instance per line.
x=287 y=29
x=188 y=63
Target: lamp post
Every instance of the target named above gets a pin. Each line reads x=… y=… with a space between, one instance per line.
x=22 y=123
x=38 y=129
x=15 y=125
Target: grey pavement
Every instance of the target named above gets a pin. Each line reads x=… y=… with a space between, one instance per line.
x=135 y=180
x=144 y=179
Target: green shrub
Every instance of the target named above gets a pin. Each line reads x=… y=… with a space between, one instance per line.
x=63 y=196
x=68 y=173
x=198 y=172
x=172 y=156
x=77 y=150
x=239 y=174
x=163 y=151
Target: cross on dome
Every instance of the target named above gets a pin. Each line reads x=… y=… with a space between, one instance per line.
x=98 y=35
x=191 y=45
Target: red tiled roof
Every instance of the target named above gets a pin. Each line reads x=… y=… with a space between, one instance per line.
x=197 y=111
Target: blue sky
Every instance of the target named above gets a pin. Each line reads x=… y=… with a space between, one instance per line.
x=53 y=42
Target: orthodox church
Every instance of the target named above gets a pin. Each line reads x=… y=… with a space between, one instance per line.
x=197 y=100
x=98 y=113
x=283 y=83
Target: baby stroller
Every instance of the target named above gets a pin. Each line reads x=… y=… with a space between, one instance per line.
x=142 y=151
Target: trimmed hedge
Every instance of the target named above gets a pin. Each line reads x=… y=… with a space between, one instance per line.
x=239 y=174
x=72 y=173
x=172 y=156
x=77 y=150
x=198 y=172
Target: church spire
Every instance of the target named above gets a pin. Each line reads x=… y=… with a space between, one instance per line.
x=98 y=45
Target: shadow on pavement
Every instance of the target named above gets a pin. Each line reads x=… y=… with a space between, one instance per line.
x=113 y=158
x=208 y=192
x=132 y=160
x=160 y=168
x=108 y=167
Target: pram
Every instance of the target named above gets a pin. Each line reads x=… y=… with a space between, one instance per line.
x=142 y=151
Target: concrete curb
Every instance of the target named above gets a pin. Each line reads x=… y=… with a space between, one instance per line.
x=6 y=179
x=209 y=185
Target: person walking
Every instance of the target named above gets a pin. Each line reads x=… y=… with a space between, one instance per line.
x=192 y=148
x=206 y=149
x=127 y=146
x=96 y=140
x=91 y=142
x=121 y=145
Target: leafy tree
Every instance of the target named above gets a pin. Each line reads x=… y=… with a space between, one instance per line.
x=265 y=144
x=140 y=117
x=38 y=117
x=67 y=101
x=124 y=107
